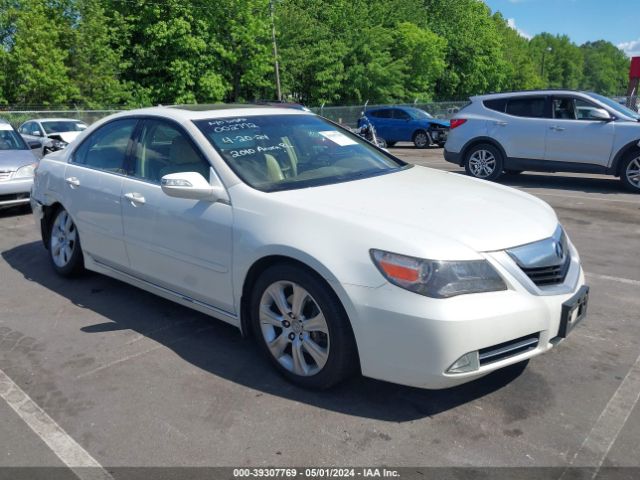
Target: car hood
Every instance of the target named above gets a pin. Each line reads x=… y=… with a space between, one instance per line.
x=64 y=136
x=441 y=123
x=421 y=204
x=14 y=159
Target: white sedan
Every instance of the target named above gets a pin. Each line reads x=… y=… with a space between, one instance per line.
x=335 y=255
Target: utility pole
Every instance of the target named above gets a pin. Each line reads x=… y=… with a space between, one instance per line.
x=275 y=51
x=544 y=52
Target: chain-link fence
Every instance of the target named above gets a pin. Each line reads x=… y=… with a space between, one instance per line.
x=346 y=115
x=349 y=115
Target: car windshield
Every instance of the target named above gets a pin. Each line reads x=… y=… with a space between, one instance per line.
x=627 y=112
x=10 y=140
x=282 y=152
x=419 y=114
x=58 y=126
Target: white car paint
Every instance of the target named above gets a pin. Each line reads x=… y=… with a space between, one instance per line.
x=199 y=253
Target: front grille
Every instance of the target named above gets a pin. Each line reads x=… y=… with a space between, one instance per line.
x=546 y=276
x=509 y=349
x=5 y=176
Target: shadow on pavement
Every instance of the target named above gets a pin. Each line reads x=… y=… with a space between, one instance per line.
x=218 y=348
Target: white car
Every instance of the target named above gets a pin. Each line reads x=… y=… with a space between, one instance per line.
x=54 y=133
x=546 y=131
x=336 y=255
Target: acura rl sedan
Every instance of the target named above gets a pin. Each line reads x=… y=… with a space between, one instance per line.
x=336 y=256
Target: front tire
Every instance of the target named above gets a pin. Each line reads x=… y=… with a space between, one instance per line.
x=65 y=251
x=484 y=161
x=301 y=327
x=630 y=173
x=421 y=139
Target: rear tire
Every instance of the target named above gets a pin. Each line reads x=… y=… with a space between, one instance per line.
x=302 y=328
x=630 y=172
x=65 y=252
x=484 y=161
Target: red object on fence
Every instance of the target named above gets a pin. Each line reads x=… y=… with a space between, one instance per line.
x=635 y=68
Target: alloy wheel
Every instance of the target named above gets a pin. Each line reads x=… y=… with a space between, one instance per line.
x=482 y=163
x=294 y=328
x=421 y=140
x=633 y=172
x=63 y=239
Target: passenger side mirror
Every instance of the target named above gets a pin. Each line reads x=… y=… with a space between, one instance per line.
x=190 y=185
x=34 y=145
x=600 y=114
x=37 y=133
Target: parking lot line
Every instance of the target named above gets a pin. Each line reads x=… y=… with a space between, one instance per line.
x=596 y=446
x=83 y=465
x=627 y=281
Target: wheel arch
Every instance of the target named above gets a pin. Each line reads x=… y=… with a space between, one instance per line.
x=616 y=165
x=478 y=141
x=263 y=263
x=48 y=212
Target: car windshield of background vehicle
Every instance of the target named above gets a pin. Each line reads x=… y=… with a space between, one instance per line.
x=419 y=114
x=283 y=152
x=627 y=112
x=10 y=140
x=63 y=126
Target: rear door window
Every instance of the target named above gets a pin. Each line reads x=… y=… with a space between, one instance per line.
x=529 y=107
x=497 y=104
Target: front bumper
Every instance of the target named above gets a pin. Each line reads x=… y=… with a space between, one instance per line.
x=413 y=340
x=15 y=192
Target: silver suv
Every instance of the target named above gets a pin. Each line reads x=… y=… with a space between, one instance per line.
x=546 y=131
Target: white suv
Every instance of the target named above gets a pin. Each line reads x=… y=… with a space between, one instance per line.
x=546 y=131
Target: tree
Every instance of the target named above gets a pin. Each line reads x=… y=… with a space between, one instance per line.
x=561 y=61
x=606 y=68
x=475 y=63
x=36 y=73
x=94 y=63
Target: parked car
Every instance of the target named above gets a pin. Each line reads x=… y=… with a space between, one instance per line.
x=407 y=124
x=279 y=222
x=546 y=131
x=54 y=133
x=17 y=166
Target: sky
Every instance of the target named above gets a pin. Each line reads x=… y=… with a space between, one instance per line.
x=617 y=21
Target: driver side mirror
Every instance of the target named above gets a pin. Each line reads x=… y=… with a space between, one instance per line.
x=600 y=114
x=190 y=185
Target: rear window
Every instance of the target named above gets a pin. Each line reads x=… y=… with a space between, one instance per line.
x=531 y=107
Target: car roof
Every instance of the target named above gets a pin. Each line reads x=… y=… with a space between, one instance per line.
x=522 y=93
x=203 y=112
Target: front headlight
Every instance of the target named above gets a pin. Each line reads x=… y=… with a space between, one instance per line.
x=28 y=171
x=438 y=278
x=59 y=144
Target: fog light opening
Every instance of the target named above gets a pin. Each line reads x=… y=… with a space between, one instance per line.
x=469 y=362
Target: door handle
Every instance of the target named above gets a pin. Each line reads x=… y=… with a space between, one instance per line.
x=73 y=182
x=135 y=198
x=502 y=124
x=557 y=128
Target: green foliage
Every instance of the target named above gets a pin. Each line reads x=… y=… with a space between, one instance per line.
x=99 y=53
x=606 y=68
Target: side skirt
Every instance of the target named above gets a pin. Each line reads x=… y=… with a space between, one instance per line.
x=98 y=267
